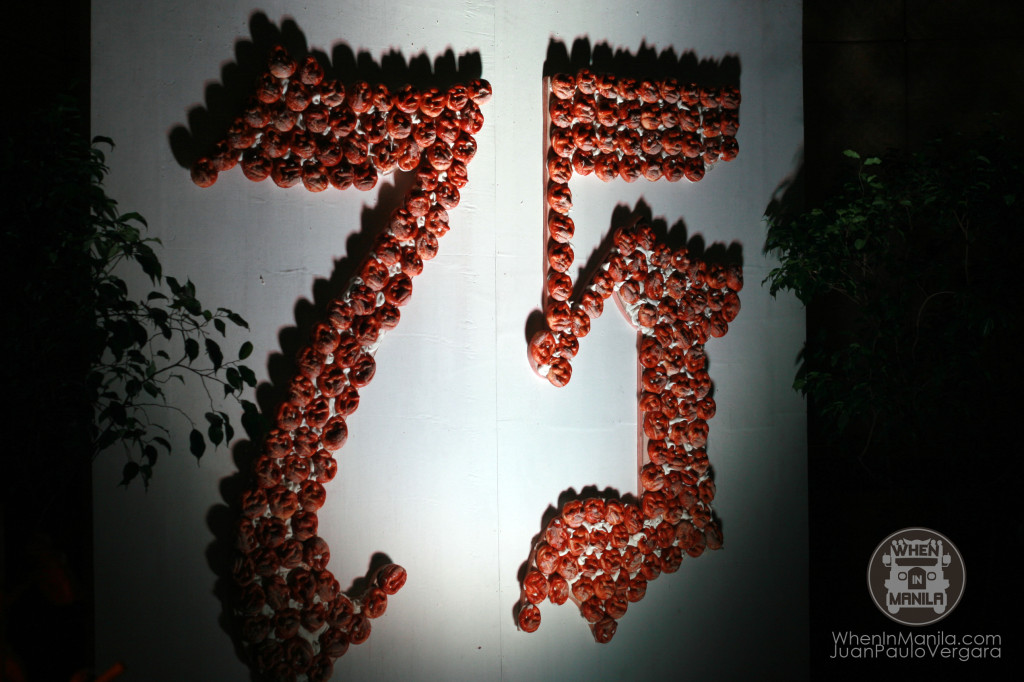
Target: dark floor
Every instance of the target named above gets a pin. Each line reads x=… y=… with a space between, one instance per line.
x=893 y=74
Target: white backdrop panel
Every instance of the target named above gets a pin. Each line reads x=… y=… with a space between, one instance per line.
x=454 y=487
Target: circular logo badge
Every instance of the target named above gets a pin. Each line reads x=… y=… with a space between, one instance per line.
x=916 y=576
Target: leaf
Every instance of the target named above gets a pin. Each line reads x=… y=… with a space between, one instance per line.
x=219 y=326
x=235 y=317
x=191 y=305
x=872 y=161
x=108 y=438
x=140 y=336
x=234 y=378
x=115 y=412
x=245 y=350
x=146 y=471
x=248 y=376
x=213 y=350
x=129 y=472
x=216 y=433
x=850 y=153
x=126 y=217
x=191 y=349
x=196 y=443
x=150 y=264
x=120 y=337
x=252 y=421
x=158 y=316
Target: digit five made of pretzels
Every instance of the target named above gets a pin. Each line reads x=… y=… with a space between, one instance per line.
x=602 y=552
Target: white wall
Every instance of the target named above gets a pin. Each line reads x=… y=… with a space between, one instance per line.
x=456 y=488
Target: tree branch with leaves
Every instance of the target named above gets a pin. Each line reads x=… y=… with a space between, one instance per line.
x=142 y=345
x=913 y=265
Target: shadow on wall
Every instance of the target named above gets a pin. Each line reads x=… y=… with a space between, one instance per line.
x=225 y=100
x=789 y=197
x=646 y=62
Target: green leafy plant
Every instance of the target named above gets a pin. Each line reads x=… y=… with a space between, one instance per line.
x=86 y=362
x=909 y=270
x=141 y=345
x=85 y=366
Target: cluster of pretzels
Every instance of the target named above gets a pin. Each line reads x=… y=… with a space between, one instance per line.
x=301 y=127
x=618 y=127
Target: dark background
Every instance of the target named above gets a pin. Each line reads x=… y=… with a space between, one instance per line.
x=895 y=74
x=878 y=74
x=46 y=604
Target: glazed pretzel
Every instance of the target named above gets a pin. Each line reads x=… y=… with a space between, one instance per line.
x=602 y=553
x=301 y=128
